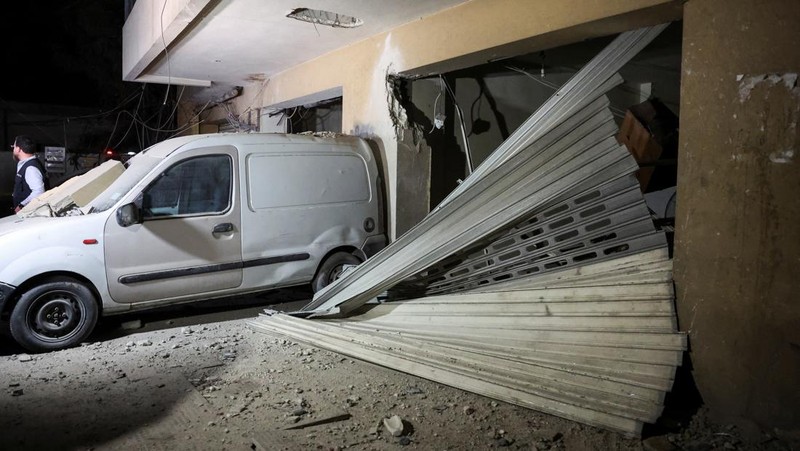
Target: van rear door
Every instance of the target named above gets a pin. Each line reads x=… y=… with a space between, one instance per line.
x=189 y=242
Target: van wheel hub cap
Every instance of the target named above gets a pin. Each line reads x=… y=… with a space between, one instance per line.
x=56 y=315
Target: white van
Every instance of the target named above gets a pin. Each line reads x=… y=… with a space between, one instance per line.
x=192 y=218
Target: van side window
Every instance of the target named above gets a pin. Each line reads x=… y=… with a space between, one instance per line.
x=195 y=186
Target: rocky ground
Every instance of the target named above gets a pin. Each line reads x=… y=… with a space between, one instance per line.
x=204 y=380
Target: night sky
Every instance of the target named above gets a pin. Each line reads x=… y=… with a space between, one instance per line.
x=69 y=53
x=66 y=53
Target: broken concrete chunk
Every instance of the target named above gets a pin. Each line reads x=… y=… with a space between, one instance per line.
x=394 y=425
x=414 y=391
x=75 y=192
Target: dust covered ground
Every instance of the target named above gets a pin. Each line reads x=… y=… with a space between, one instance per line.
x=203 y=380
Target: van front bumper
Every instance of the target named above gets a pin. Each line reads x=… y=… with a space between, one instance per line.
x=6 y=291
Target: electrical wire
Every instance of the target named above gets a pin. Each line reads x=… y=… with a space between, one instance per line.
x=166 y=52
x=666 y=206
x=618 y=112
x=138 y=104
x=435 y=102
x=467 y=150
x=255 y=98
x=174 y=109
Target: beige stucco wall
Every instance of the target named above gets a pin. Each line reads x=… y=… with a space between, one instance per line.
x=469 y=34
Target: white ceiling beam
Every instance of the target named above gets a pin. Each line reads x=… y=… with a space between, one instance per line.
x=161 y=79
x=152 y=27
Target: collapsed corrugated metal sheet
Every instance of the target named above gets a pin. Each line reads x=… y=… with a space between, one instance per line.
x=540 y=281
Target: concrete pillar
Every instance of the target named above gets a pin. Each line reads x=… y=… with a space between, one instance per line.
x=737 y=251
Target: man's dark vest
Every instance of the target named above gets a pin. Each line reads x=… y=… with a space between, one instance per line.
x=21 y=188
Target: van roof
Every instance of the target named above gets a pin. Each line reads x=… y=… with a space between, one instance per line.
x=167 y=147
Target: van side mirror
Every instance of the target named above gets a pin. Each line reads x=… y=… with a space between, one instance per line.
x=129 y=214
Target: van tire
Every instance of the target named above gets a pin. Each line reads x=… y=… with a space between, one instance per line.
x=331 y=269
x=54 y=315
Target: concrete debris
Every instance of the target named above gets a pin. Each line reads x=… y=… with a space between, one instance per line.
x=394 y=425
x=414 y=391
x=67 y=198
x=195 y=399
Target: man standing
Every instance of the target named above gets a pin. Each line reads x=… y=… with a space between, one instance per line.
x=30 y=182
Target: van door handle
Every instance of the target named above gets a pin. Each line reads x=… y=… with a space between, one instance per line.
x=223 y=228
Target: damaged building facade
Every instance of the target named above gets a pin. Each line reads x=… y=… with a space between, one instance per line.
x=724 y=69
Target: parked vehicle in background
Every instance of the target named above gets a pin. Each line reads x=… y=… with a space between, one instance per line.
x=192 y=218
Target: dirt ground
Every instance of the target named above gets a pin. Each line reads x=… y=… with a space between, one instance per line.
x=201 y=379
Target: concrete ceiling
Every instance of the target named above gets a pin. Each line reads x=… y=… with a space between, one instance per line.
x=234 y=42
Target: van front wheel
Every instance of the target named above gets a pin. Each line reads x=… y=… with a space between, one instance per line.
x=54 y=315
x=332 y=268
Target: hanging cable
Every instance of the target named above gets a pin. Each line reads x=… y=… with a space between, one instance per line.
x=467 y=151
x=166 y=52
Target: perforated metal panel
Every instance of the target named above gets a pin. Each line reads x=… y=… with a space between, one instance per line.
x=595 y=225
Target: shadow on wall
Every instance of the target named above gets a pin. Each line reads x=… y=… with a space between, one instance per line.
x=367 y=132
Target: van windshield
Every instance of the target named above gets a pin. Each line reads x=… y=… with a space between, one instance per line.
x=138 y=167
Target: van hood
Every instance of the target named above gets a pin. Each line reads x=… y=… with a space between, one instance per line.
x=10 y=224
x=33 y=226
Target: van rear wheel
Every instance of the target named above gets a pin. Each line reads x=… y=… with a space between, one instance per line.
x=332 y=268
x=54 y=315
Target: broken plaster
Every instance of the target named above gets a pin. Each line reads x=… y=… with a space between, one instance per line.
x=747 y=84
x=782 y=157
x=397 y=113
x=395 y=98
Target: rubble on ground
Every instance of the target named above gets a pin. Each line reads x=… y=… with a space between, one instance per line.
x=223 y=386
